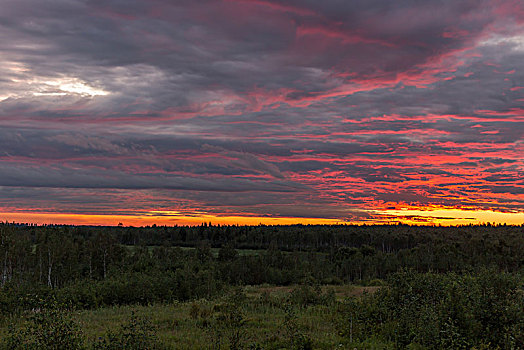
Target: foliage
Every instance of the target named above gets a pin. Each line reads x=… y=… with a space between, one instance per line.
x=296 y=338
x=227 y=325
x=441 y=311
x=91 y=267
x=48 y=327
x=306 y=295
x=136 y=334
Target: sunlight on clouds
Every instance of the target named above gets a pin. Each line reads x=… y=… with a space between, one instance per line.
x=51 y=87
x=19 y=81
x=68 y=86
x=515 y=41
x=455 y=216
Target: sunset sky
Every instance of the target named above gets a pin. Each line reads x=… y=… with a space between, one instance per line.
x=262 y=111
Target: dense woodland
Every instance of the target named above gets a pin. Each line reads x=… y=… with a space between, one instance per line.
x=96 y=267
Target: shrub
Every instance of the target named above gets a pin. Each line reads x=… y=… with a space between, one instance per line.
x=48 y=327
x=296 y=339
x=136 y=334
x=445 y=311
x=228 y=322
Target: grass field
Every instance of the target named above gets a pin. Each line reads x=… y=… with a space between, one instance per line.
x=265 y=322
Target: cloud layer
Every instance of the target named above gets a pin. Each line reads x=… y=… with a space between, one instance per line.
x=307 y=109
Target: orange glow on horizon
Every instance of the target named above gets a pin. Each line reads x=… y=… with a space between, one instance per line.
x=453 y=217
x=444 y=217
x=160 y=220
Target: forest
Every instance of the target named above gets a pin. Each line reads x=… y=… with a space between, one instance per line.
x=261 y=287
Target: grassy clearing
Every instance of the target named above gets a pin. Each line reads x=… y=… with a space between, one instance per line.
x=214 y=251
x=196 y=324
x=179 y=326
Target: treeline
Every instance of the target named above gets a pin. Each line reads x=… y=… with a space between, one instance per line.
x=96 y=266
x=319 y=238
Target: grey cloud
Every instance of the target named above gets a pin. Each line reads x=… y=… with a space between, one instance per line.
x=247 y=160
x=87 y=178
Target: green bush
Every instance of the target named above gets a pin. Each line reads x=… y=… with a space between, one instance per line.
x=228 y=322
x=442 y=311
x=296 y=339
x=48 y=327
x=306 y=295
x=136 y=334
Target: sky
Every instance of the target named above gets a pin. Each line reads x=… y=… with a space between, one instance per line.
x=262 y=111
